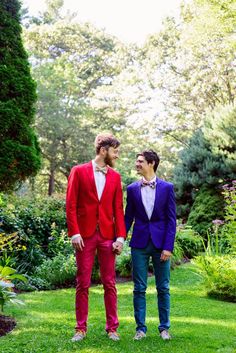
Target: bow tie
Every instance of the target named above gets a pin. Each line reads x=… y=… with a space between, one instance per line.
x=152 y=184
x=101 y=169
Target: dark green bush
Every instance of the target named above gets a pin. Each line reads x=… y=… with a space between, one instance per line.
x=19 y=148
x=189 y=240
x=208 y=205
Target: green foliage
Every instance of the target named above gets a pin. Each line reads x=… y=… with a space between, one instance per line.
x=41 y=229
x=33 y=284
x=199 y=166
x=220 y=130
x=208 y=205
x=230 y=216
x=57 y=272
x=189 y=240
x=7 y=294
x=71 y=61
x=124 y=262
x=219 y=273
x=19 y=149
x=177 y=255
x=218 y=264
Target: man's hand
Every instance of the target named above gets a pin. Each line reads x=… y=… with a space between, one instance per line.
x=78 y=243
x=117 y=247
x=165 y=255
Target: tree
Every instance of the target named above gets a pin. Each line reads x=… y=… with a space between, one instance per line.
x=70 y=61
x=191 y=62
x=19 y=149
x=220 y=130
x=209 y=160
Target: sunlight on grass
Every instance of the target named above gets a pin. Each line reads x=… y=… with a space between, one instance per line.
x=204 y=321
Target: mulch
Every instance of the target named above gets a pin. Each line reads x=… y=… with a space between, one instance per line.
x=7 y=324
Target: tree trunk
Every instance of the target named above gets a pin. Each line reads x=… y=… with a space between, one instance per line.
x=51 y=183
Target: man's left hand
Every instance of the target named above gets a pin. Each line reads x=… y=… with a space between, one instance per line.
x=117 y=247
x=165 y=255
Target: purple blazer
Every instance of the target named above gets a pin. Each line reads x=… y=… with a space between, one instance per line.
x=161 y=228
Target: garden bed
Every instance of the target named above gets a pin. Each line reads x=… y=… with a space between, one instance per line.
x=7 y=324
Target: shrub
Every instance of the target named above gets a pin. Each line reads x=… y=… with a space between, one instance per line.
x=57 y=272
x=189 y=240
x=33 y=284
x=40 y=225
x=230 y=217
x=177 y=255
x=208 y=205
x=124 y=262
x=219 y=273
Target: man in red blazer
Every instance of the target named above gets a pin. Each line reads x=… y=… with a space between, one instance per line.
x=95 y=220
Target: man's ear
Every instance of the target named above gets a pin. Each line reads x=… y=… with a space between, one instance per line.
x=102 y=150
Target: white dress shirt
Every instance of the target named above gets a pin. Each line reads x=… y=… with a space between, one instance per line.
x=100 y=180
x=148 y=197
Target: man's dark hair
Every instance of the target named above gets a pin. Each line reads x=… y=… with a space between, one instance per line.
x=150 y=157
x=106 y=140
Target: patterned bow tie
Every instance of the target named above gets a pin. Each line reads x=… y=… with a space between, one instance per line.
x=152 y=184
x=101 y=169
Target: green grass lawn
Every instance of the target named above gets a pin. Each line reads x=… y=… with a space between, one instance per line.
x=199 y=324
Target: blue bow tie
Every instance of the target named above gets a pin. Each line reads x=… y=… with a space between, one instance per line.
x=152 y=184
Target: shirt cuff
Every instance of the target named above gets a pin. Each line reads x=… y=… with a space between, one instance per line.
x=75 y=236
x=120 y=239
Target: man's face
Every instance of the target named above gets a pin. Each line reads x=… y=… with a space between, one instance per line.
x=142 y=166
x=111 y=155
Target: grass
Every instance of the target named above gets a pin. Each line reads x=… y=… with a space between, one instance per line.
x=199 y=324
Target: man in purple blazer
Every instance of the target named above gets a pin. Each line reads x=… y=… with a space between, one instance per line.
x=151 y=206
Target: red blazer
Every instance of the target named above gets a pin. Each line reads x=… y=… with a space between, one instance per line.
x=84 y=211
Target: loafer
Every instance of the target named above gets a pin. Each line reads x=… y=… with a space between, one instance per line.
x=114 y=336
x=79 y=336
x=139 y=335
x=165 y=335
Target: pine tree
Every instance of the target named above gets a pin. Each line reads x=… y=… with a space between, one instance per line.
x=19 y=149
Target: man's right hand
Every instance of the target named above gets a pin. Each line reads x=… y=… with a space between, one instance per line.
x=78 y=243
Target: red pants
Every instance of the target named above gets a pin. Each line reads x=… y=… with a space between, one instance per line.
x=85 y=260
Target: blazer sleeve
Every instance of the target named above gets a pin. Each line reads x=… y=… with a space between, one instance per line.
x=119 y=210
x=171 y=221
x=129 y=210
x=71 y=202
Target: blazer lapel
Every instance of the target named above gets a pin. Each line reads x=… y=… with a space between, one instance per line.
x=91 y=178
x=140 y=200
x=156 y=197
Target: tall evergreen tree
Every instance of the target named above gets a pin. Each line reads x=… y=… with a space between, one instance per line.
x=19 y=149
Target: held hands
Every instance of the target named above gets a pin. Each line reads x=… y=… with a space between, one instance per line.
x=165 y=255
x=117 y=247
x=78 y=243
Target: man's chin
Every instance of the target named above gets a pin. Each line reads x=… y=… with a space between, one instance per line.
x=110 y=164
